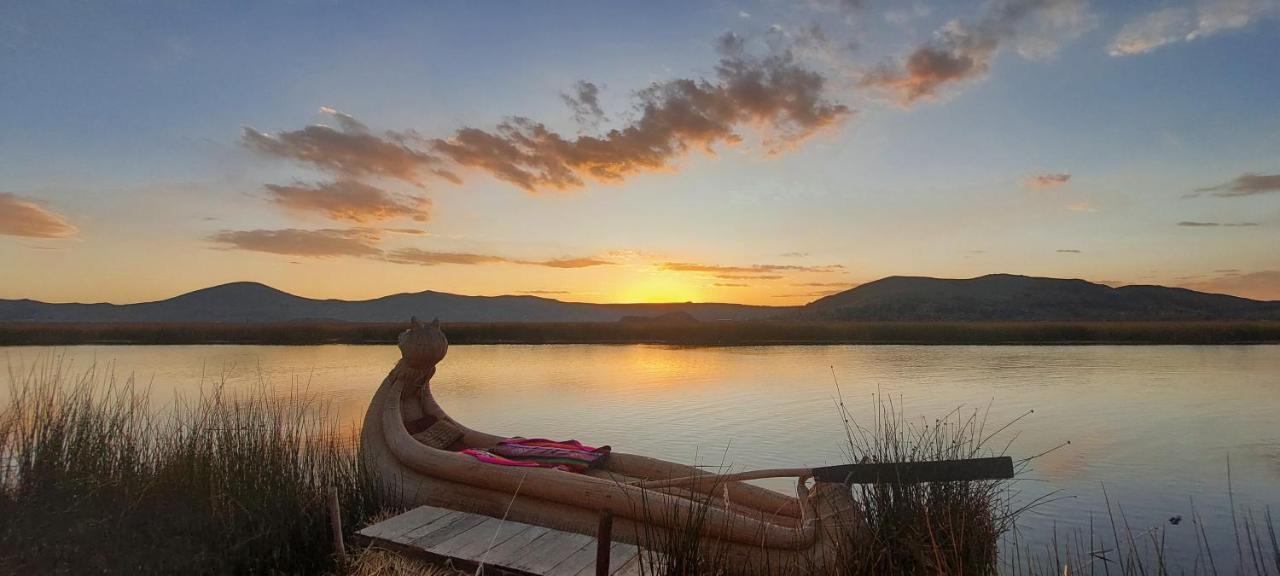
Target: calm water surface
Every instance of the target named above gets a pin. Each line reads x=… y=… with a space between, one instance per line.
x=1154 y=425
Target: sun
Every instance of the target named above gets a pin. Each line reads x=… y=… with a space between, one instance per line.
x=661 y=287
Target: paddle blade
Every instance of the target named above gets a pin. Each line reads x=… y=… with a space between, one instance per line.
x=997 y=468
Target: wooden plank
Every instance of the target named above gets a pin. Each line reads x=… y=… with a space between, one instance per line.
x=395 y=526
x=482 y=532
x=434 y=524
x=912 y=472
x=476 y=549
x=584 y=557
x=631 y=568
x=619 y=555
x=447 y=530
x=551 y=549
x=505 y=553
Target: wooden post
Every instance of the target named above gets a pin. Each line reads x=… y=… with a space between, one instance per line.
x=335 y=521
x=604 y=541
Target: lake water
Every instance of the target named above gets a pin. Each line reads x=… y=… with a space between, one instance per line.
x=1154 y=425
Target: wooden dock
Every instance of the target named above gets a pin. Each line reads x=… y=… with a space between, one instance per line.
x=503 y=547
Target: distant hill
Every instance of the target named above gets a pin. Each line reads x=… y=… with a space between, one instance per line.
x=250 y=302
x=1010 y=297
x=897 y=298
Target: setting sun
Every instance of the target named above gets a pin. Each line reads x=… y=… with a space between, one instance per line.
x=662 y=286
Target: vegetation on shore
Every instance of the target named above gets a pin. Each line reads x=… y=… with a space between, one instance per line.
x=94 y=481
x=720 y=333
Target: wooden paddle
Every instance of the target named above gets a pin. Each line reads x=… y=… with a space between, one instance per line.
x=996 y=468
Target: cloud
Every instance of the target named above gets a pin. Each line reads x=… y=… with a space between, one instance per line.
x=824 y=284
x=325 y=243
x=749 y=276
x=1068 y=251
x=744 y=14
x=431 y=258
x=570 y=262
x=1248 y=184
x=1183 y=24
x=1194 y=224
x=961 y=51
x=752 y=270
x=1152 y=31
x=794 y=254
x=1046 y=180
x=585 y=104
x=544 y=292
x=906 y=15
x=731 y=285
x=350 y=151
x=1261 y=285
x=1081 y=207
x=773 y=93
x=349 y=200
x=24 y=217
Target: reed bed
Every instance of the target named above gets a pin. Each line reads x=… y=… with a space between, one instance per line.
x=712 y=333
x=95 y=481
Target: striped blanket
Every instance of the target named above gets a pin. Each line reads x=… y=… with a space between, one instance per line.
x=567 y=455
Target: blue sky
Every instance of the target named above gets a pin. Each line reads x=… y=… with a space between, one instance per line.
x=126 y=173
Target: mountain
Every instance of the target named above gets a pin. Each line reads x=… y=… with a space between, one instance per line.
x=897 y=298
x=1010 y=297
x=250 y=302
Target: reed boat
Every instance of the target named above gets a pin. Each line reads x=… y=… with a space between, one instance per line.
x=415 y=448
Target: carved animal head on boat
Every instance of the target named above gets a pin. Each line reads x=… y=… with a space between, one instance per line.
x=423 y=345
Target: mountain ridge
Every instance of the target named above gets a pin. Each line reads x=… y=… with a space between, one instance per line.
x=894 y=298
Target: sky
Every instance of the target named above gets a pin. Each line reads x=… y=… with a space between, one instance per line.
x=762 y=152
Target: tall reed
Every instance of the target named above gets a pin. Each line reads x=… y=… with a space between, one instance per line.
x=94 y=480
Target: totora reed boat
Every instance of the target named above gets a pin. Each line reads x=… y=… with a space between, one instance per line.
x=416 y=450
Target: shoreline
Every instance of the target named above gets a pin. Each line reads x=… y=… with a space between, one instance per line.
x=718 y=333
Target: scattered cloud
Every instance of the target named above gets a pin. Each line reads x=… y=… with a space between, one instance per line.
x=1195 y=224
x=325 y=243
x=794 y=254
x=1184 y=24
x=571 y=262
x=962 y=51
x=752 y=270
x=743 y=14
x=773 y=92
x=1068 y=251
x=349 y=200
x=731 y=285
x=432 y=258
x=24 y=217
x=584 y=102
x=348 y=153
x=1046 y=180
x=1152 y=31
x=906 y=15
x=824 y=284
x=749 y=276
x=543 y=292
x=1248 y=184
x=1261 y=285
x=1081 y=207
